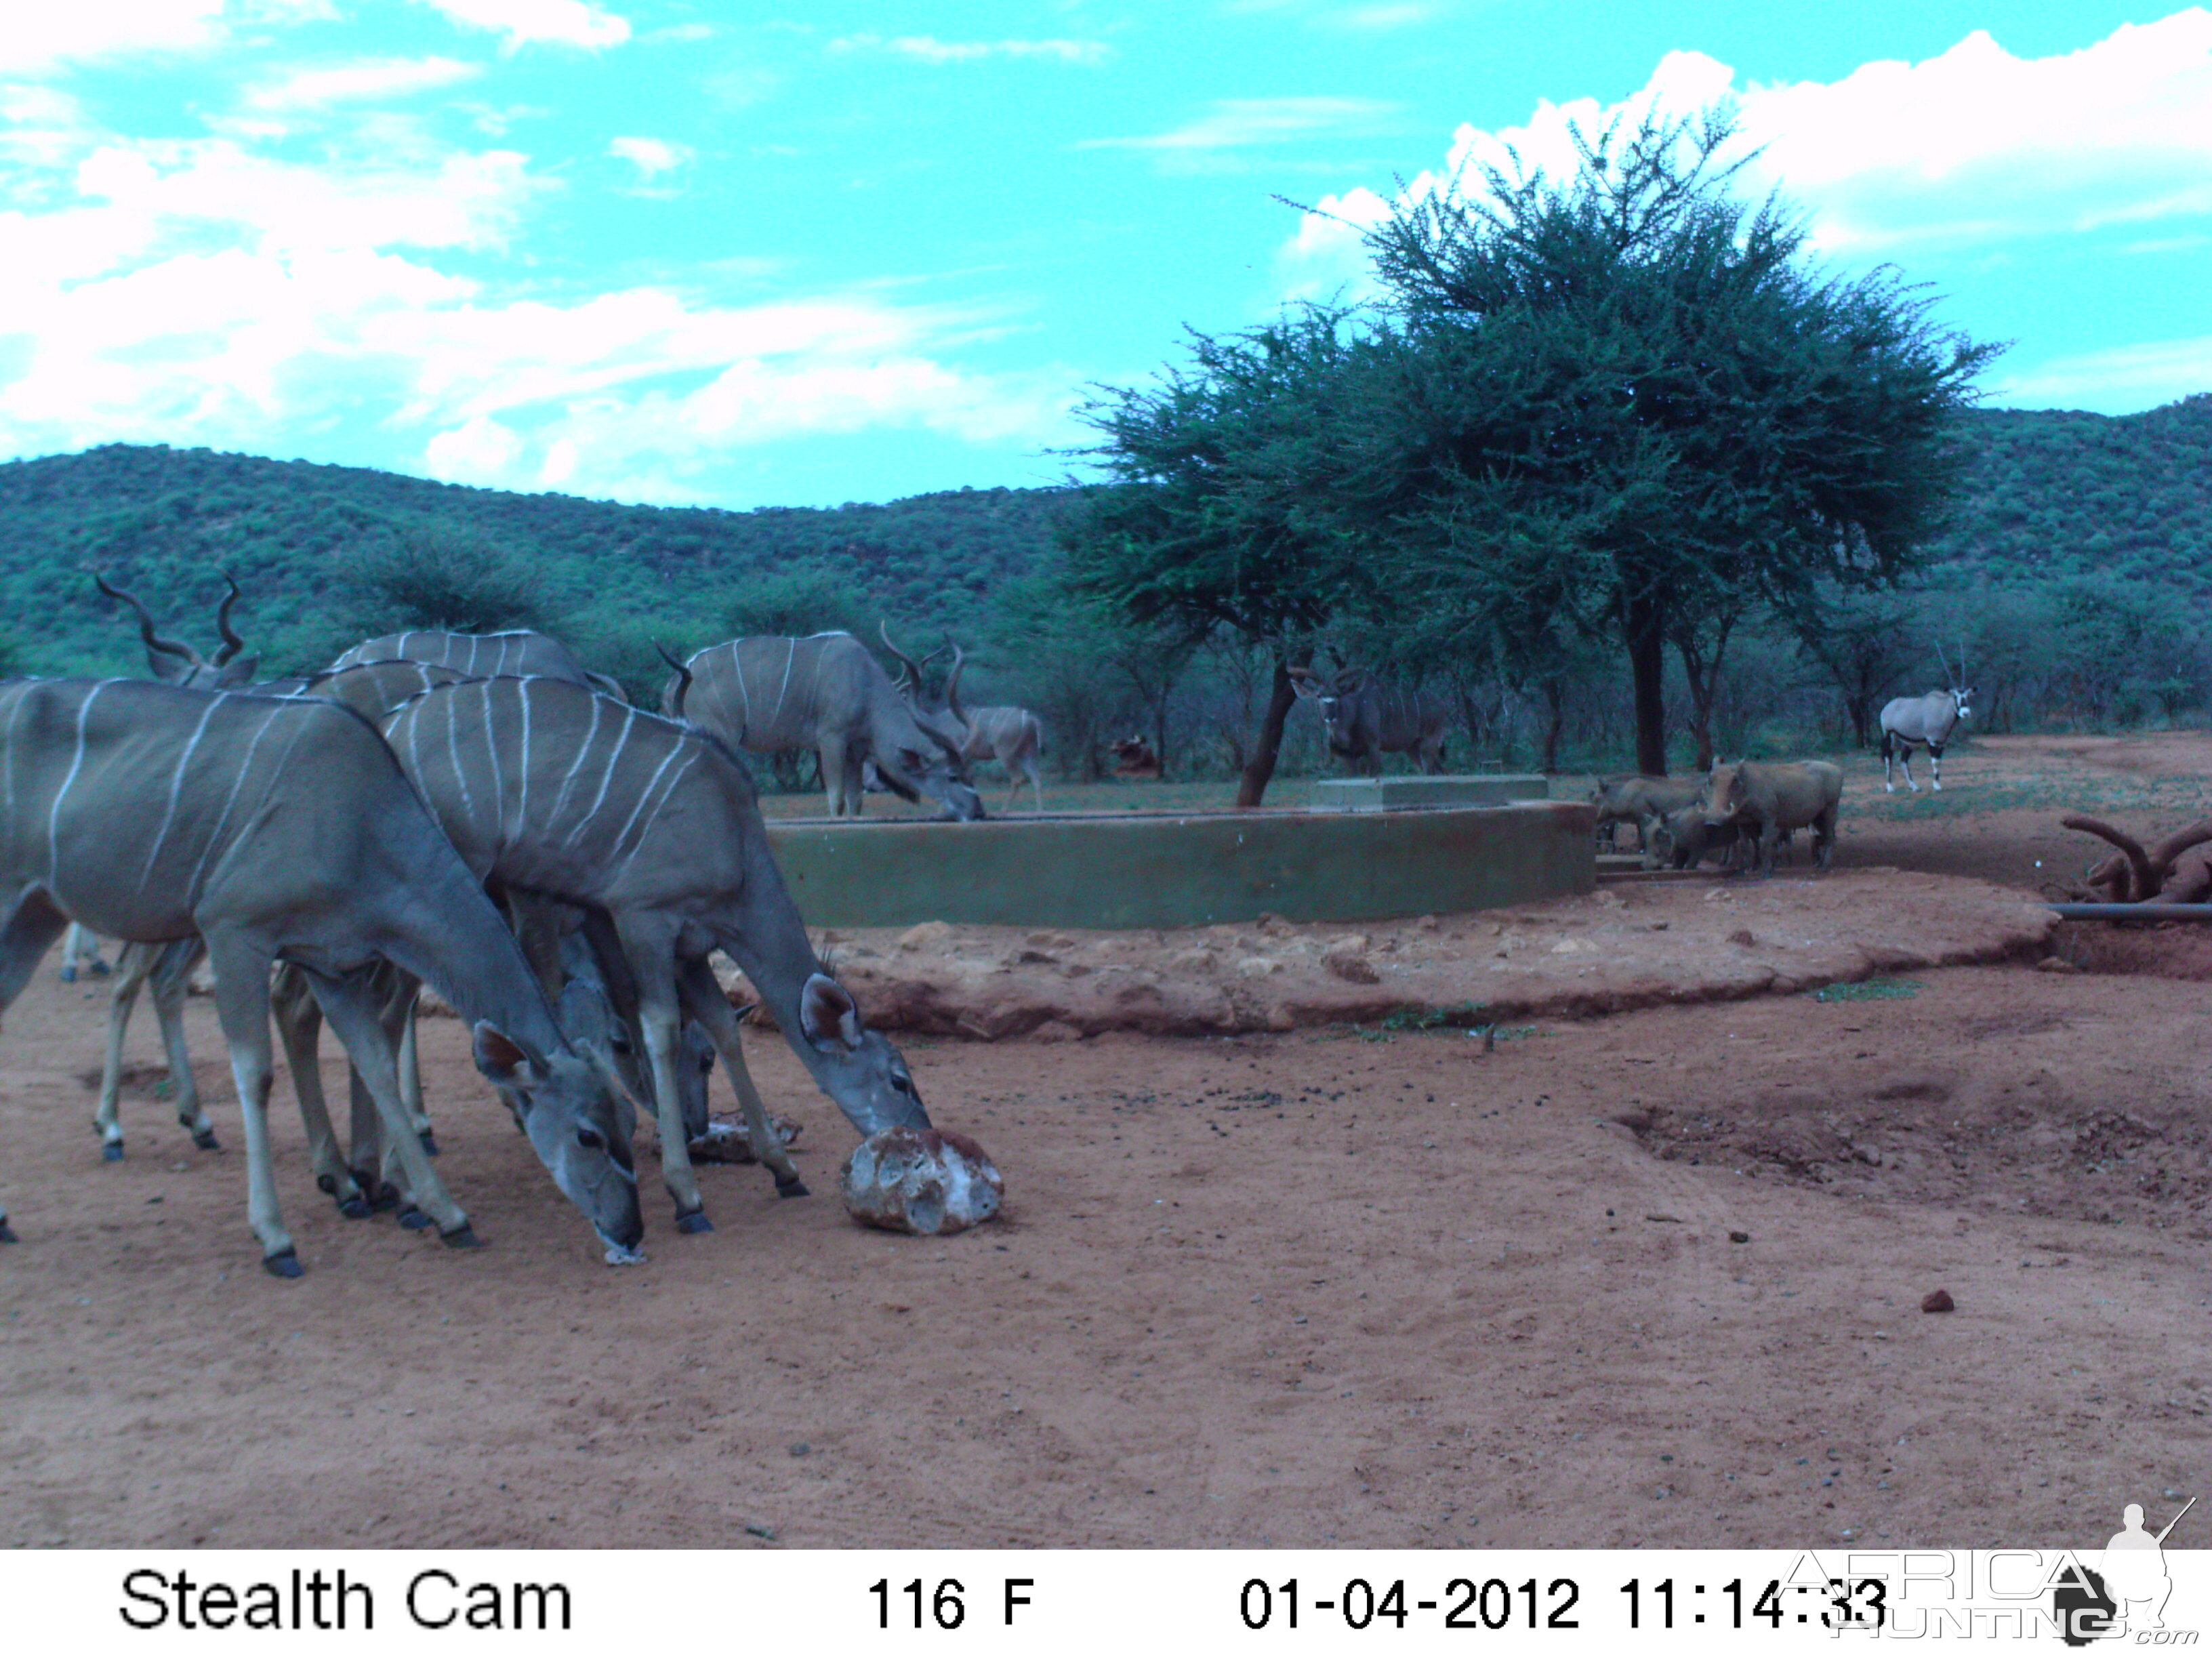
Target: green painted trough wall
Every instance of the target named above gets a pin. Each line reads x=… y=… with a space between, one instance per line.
x=1168 y=869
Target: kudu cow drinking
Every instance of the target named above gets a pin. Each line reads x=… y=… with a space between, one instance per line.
x=1366 y=719
x=827 y=693
x=557 y=790
x=283 y=828
x=1908 y=723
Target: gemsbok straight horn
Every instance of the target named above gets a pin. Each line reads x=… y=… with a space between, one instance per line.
x=282 y=828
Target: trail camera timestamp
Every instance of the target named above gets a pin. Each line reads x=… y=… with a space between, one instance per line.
x=1836 y=1603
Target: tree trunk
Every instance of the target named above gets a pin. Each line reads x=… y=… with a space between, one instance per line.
x=1645 y=626
x=1261 y=767
x=1704 y=676
x=1555 y=698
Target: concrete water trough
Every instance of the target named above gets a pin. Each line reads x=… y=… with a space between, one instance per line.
x=1184 y=869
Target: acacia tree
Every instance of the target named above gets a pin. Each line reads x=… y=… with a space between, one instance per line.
x=1637 y=376
x=1228 y=509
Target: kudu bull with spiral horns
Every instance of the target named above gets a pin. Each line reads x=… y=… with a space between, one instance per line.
x=283 y=828
x=1910 y=722
x=559 y=790
x=1013 y=736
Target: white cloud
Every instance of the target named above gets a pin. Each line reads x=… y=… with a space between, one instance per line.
x=1241 y=123
x=530 y=22
x=1973 y=149
x=650 y=156
x=363 y=81
x=927 y=49
x=38 y=36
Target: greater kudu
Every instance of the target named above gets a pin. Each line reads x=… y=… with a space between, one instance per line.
x=654 y=826
x=480 y=656
x=168 y=967
x=283 y=828
x=1366 y=719
x=1013 y=736
x=827 y=693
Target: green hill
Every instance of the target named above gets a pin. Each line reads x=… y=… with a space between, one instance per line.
x=166 y=523
x=2054 y=502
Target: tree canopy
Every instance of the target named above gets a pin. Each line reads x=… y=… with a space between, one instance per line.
x=1608 y=403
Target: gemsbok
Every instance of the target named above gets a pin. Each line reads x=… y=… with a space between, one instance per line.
x=1910 y=722
x=557 y=790
x=827 y=693
x=283 y=828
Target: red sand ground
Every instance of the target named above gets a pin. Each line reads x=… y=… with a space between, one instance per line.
x=1304 y=1287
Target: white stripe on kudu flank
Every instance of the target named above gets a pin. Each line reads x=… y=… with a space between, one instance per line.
x=76 y=760
x=622 y=742
x=453 y=757
x=176 y=787
x=675 y=783
x=568 y=778
x=790 y=651
x=522 y=807
x=643 y=795
x=245 y=765
x=492 y=750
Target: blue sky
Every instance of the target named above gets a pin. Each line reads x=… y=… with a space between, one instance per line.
x=678 y=252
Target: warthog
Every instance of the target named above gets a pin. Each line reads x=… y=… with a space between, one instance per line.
x=1133 y=758
x=1775 y=797
x=1639 y=798
x=1682 y=840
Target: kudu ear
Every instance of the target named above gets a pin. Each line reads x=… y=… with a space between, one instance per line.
x=237 y=673
x=827 y=1015
x=501 y=1058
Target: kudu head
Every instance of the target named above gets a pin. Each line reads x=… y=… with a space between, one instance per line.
x=942 y=776
x=574 y=1125
x=178 y=663
x=859 y=1069
x=1328 y=697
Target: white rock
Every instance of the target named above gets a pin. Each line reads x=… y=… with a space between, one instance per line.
x=920 y=1181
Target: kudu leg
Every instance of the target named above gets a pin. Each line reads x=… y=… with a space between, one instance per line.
x=241 y=982
x=300 y=1025
x=355 y=1005
x=135 y=962
x=171 y=980
x=660 y=1023
x=29 y=933
x=703 y=1001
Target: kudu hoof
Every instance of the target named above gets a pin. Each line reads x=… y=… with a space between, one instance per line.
x=355 y=1208
x=69 y=975
x=205 y=1141
x=793 y=1187
x=380 y=1197
x=112 y=1153
x=694 y=1221
x=285 y=1264
x=413 y=1220
x=100 y=970
x=463 y=1237
x=7 y=1234
x=429 y=1144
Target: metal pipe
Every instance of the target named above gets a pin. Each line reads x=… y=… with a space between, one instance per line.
x=2151 y=912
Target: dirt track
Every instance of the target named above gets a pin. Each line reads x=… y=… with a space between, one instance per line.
x=1326 y=1286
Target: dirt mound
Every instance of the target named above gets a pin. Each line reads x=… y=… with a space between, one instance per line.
x=1632 y=946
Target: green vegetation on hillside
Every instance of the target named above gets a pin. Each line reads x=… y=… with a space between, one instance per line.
x=2075 y=565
